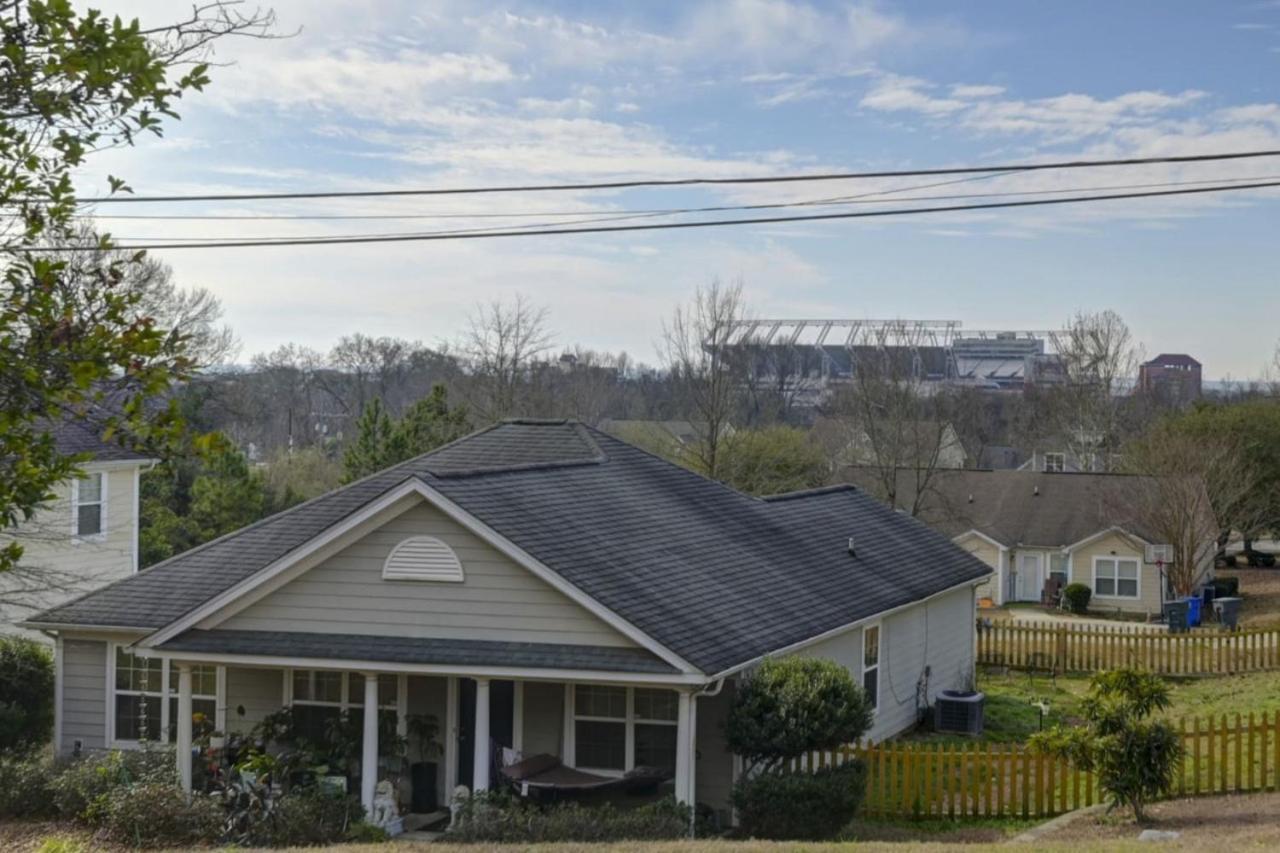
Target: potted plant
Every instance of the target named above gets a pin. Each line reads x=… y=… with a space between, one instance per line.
x=423 y=730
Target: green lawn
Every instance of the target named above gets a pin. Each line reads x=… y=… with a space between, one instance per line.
x=1011 y=717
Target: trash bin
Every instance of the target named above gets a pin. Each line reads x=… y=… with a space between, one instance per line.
x=1175 y=613
x=1206 y=596
x=1193 y=611
x=1228 y=610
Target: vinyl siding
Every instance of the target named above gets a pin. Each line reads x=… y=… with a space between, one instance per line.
x=258 y=692
x=84 y=695
x=498 y=600
x=73 y=566
x=989 y=554
x=1148 y=600
x=713 y=778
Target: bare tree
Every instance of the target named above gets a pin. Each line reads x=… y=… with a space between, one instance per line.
x=696 y=350
x=884 y=424
x=1188 y=483
x=1098 y=360
x=500 y=348
x=370 y=367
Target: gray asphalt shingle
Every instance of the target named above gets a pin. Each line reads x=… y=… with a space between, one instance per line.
x=716 y=576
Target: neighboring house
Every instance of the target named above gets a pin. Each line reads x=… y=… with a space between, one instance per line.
x=1030 y=526
x=86 y=537
x=539 y=584
x=931 y=444
x=1172 y=378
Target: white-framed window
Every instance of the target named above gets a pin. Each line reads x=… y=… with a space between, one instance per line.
x=871 y=665
x=89 y=506
x=1058 y=568
x=144 y=698
x=319 y=696
x=1115 y=577
x=1055 y=463
x=616 y=729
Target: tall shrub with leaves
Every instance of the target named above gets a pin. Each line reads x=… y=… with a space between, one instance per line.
x=789 y=707
x=1134 y=757
x=71 y=83
x=26 y=694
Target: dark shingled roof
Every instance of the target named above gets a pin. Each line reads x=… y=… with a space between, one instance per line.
x=74 y=437
x=445 y=652
x=1028 y=508
x=716 y=576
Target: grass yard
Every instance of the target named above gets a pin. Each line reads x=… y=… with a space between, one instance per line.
x=1260 y=589
x=1010 y=716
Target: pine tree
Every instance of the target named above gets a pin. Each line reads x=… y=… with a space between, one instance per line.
x=381 y=442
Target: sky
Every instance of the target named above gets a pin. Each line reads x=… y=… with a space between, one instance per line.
x=385 y=94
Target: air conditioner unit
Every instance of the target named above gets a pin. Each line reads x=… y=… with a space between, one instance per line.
x=958 y=711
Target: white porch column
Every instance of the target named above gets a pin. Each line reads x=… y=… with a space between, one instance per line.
x=480 y=734
x=684 y=749
x=184 y=726
x=369 y=753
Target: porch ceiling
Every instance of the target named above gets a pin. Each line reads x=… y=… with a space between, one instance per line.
x=418 y=651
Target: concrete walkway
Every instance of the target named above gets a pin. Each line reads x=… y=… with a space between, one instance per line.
x=1059 y=617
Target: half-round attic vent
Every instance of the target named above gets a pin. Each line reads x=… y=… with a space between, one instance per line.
x=422 y=558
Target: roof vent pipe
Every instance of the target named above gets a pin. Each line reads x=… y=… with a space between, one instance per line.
x=852 y=552
x=1037 y=491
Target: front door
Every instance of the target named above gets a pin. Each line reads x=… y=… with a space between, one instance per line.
x=1030 y=577
x=501 y=719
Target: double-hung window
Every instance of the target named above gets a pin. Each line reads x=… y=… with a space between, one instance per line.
x=1114 y=577
x=1055 y=463
x=145 y=699
x=1058 y=568
x=319 y=697
x=871 y=665
x=621 y=728
x=88 y=500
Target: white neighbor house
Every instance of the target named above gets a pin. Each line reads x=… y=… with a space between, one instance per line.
x=85 y=538
x=537 y=586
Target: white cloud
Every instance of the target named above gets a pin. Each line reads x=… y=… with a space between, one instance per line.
x=627 y=107
x=962 y=90
x=896 y=94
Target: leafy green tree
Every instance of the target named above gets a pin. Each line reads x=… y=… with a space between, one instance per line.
x=1134 y=757
x=26 y=694
x=72 y=83
x=771 y=461
x=382 y=441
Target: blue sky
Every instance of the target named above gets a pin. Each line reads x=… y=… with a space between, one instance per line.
x=389 y=94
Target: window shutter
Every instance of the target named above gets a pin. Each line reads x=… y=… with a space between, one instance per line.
x=422 y=558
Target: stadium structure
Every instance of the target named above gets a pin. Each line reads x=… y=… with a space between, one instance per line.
x=822 y=353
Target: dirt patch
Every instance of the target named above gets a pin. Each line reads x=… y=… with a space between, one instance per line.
x=1260 y=589
x=21 y=836
x=1226 y=822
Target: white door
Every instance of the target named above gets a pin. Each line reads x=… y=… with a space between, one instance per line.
x=1030 y=577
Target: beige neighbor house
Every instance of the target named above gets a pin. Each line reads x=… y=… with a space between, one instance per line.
x=537 y=586
x=84 y=538
x=1031 y=526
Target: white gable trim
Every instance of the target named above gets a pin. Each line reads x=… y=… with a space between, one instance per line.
x=984 y=537
x=1120 y=531
x=257 y=586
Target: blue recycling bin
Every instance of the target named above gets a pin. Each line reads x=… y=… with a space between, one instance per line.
x=1193 y=611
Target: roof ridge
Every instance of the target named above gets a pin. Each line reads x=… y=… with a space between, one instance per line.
x=817 y=491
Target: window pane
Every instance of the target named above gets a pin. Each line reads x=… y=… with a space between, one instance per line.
x=387 y=685
x=871 y=686
x=311 y=722
x=386 y=690
x=89 y=520
x=591 y=701
x=655 y=746
x=1129 y=569
x=1128 y=587
x=871 y=646
x=656 y=705
x=204 y=715
x=137 y=718
x=136 y=673
x=1106 y=568
x=1058 y=567
x=1105 y=586
x=89 y=490
x=317 y=685
x=601 y=745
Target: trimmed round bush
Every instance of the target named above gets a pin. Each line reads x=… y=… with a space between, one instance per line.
x=800 y=805
x=791 y=706
x=1077 y=596
x=498 y=817
x=25 y=786
x=26 y=694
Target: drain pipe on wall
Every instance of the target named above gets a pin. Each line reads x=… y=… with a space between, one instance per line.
x=708 y=691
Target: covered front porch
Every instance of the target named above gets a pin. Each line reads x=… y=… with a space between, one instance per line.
x=627 y=711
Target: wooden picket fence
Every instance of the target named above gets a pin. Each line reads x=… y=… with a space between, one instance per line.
x=977 y=780
x=1090 y=648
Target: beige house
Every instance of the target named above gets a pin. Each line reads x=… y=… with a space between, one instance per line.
x=85 y=538
x=540 y=587
x=1031 y=526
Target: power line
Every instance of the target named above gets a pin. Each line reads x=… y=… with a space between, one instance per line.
x=617 y=215
x=684 y=182
x=667 y=226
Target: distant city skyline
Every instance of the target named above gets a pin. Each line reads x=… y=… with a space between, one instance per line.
x=398 y=93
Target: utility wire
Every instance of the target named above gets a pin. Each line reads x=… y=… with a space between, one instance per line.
x=668 y=226
x=681 y=182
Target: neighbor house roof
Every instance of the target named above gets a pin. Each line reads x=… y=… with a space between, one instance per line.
x=1025 y=508
x=717 y=577
x=74 y=437
x=1172 y=359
